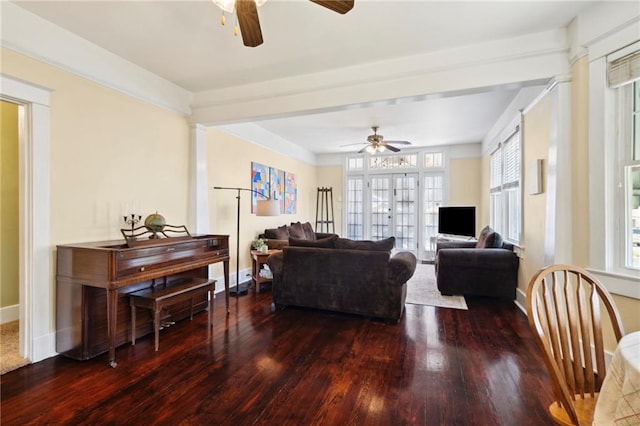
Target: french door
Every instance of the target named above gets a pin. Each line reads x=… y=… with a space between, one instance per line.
x=433 y=198
x=394 y=209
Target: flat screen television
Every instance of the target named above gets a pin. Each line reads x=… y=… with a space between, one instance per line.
x=457 y=221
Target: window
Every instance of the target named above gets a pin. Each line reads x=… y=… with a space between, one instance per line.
x=355 y=206
x=401 y=161
x=432 y=160
x=630 y=157
x=383 y=196
x=614 y=75
x=505 y=199
x=355 y=163
x=633 y=185
x=623 y=78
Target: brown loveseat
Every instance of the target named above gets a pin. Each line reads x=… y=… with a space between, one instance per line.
x=338 y=274
x=277 y=238
x=488 y=267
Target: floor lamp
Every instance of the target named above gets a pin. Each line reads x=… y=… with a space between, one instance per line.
x=266 y=207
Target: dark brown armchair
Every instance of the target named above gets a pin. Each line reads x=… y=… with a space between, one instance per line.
x=488 y=267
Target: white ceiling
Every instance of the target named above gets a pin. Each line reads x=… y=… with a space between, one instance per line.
x=183 y=42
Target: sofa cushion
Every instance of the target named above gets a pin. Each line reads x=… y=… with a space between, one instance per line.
x=297 y=231
x=489 y=239
x=328 y=242
x=308 y=231
x=380 y=245
x=279 y=233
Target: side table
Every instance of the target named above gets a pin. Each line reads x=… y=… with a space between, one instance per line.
x=258 y=259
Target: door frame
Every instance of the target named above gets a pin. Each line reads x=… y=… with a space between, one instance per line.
x=425 y=254
x=391 y=175
x=36 y=288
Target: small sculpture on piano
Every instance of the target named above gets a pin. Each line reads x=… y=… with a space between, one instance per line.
x=154 y=227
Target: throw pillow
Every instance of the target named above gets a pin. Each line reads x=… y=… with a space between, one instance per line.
x=497 y=241
x=270 y=233
x=380 y=245
x=279 y=233
x=297 y=231
x=482 y=238
x=308 y=231
x=489 y=239
x=328 y=242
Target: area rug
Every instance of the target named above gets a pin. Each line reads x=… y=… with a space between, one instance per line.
x=10 y=358
x=422 y=290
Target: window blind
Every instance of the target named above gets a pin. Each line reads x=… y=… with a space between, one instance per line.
x=512 y=161
x=496 y=170
x=624 y=70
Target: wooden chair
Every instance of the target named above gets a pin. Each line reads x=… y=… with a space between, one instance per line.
x=563 y=305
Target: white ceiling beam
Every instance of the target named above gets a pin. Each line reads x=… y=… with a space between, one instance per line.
x=535 y=57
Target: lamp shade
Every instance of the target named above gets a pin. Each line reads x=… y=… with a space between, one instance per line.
x=269 y=207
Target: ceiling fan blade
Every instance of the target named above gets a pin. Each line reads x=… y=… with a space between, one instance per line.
x=249 y=22
x=352 y=144
x=340 y=6
x=398 y=142
x=391 y=148
x=363 y=149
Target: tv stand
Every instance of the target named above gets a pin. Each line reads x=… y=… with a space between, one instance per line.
x=447 y=237
x=444 y=237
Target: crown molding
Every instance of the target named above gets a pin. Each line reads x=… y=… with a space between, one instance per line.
x=607 y=26
x=30 y=35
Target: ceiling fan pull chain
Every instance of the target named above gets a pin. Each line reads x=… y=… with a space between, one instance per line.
x=236 y=30
x=223 y=19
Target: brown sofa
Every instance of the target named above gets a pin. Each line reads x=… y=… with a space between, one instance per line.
x=337 y=274
x=277 y=238
x=488 y=267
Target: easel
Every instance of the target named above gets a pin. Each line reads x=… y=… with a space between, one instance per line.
x=322 y=210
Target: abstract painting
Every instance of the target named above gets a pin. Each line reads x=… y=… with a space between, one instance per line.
x=277 y=186
x=260 y=181
x=290 y=194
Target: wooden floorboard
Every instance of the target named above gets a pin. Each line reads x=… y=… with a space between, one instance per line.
x=258 y=366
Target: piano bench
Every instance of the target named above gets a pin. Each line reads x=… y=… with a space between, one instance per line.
x=157 y=298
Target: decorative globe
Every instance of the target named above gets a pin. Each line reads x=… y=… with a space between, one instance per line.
x=155 y=222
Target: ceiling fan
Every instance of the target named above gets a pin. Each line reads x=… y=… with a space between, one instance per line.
x=376 y=143
x=247 y=13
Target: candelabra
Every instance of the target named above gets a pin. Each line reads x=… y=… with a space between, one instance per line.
x=132 y=220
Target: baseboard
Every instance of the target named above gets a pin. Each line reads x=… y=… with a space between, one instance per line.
x=245 y=276
x=44 y=347
x=9 y=313
x=521 y=300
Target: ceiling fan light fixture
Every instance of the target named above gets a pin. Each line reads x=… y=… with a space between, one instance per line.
x=370 y=149
x=229 y=6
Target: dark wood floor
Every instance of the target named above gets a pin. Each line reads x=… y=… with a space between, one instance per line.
x=295 y=367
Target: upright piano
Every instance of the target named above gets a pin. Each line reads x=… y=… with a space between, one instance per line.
x=94 y=279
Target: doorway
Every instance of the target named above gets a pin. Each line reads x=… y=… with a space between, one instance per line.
x=394 y=209
x=9 y=214
x=36 y=291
